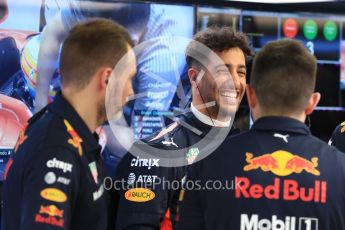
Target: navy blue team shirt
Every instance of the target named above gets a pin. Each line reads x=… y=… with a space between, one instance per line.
x=54 y=179
x=275 y=176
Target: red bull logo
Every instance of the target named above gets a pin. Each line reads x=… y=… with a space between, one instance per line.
x=51 y=215
x=51 y=210
x=281 y=163
x=75 y=140
x=51 y=220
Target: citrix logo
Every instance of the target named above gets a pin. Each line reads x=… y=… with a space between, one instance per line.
x=54 y=163
x=137 y=162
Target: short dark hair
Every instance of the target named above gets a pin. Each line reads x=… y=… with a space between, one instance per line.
x=90 y=45
x=283 y=76
x=219 y=39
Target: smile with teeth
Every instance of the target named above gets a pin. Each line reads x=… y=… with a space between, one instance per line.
x=230 y=94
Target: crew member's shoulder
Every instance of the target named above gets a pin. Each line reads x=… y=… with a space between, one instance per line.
x=332 y=160
x=50 y=131
x=244 y=136
x=340 y=130
x=338 y=136
x=157 y=141
x=45 y=139
x=150 y=148
x=164 y=137
x=327 y=155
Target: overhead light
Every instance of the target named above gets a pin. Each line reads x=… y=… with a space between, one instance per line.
x=284 y=1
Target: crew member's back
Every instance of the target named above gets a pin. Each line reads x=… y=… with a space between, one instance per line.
x=278 y=176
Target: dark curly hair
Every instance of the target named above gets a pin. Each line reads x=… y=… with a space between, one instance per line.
x=219 y=39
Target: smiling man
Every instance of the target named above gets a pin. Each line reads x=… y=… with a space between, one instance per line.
x=217 y=90
x=216 y=85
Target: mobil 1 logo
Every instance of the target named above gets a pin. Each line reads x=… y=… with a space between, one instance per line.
x=254 y=222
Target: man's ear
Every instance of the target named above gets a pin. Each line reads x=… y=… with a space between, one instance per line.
x=192 y=74
x=312 y=103
x=251 y=96
x=103 y=77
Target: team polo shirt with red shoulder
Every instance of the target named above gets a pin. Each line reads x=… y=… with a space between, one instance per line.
x=54 y=178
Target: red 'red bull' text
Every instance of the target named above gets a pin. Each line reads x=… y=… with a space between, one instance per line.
x=292 y=190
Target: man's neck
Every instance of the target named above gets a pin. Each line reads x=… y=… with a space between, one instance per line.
x=300 y=117
x=207 y=119
x=84 y=107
